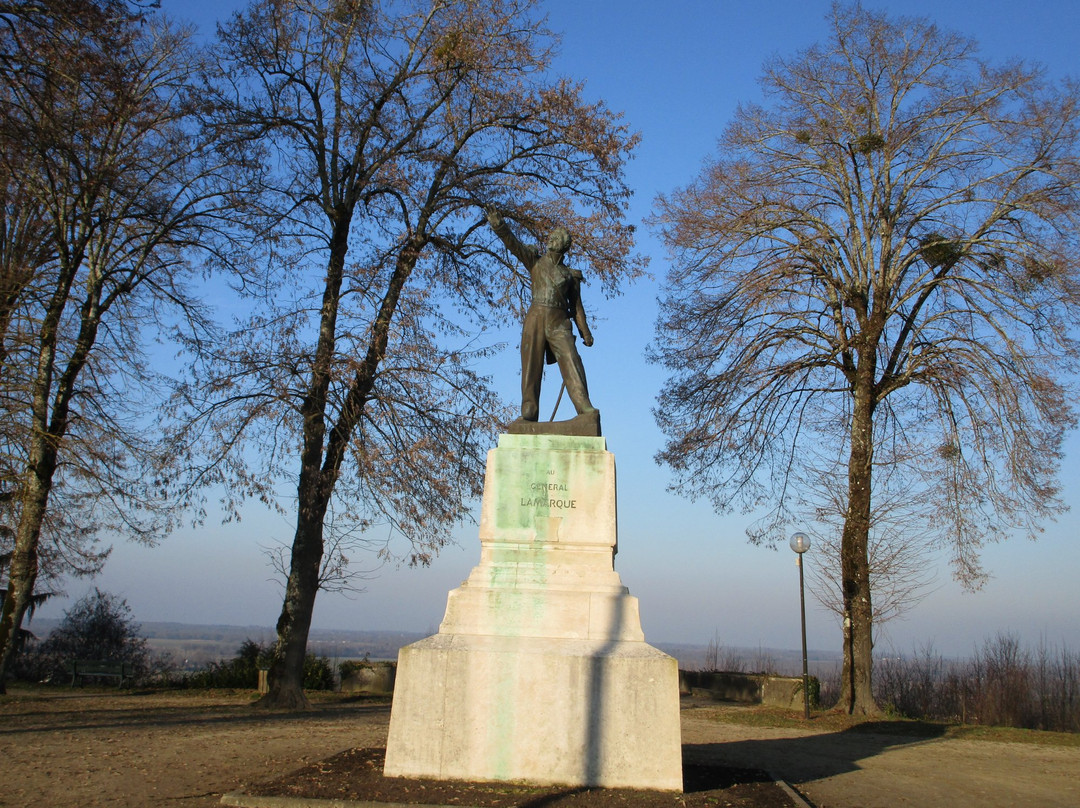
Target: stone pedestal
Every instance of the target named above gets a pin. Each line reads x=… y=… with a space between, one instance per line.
x=540 y=671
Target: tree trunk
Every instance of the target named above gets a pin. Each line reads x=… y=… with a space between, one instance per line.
x=43 y=450
x=318 y=474
x=21 y=581
x=24 y=560
x=316 y=486
x=856 y=691
x=286 y=675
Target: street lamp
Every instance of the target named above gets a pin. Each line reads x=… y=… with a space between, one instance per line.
x=800 y=543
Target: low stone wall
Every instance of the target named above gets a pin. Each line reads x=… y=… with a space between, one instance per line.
x=744 y=688
x=377 y=678
x=783 y=691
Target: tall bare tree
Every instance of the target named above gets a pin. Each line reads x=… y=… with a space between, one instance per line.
x=879 y=266
x=381 y=131
x=103 y=197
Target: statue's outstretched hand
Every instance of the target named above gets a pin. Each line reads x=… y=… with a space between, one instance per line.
x=587 y=338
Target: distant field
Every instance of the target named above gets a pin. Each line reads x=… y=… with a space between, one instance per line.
x=192 y=646
x=192 y=653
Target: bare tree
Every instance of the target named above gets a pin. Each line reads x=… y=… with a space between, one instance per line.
x=381 y=132
x=99 y=154
x=881 y=263
x=719 y=657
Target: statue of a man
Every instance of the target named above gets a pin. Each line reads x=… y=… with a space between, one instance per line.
x=546 y=333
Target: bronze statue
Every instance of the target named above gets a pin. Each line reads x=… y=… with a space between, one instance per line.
x=546 y=333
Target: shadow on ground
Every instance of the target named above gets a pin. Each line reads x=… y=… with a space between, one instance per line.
x=813 y=757
x=179 y=715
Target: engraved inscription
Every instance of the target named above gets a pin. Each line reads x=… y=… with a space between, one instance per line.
x=542 y=502
x=545 y=494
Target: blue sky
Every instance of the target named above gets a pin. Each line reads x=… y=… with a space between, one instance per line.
x=677 y=69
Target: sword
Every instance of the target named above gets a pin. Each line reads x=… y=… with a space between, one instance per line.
x=557 y=402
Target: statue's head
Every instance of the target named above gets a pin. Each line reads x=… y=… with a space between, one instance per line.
x=559 y=240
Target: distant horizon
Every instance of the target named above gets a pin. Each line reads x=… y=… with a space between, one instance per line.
x=320 y=634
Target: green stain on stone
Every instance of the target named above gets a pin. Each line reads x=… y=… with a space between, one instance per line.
x=540 y=482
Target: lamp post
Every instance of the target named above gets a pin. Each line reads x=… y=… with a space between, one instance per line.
x=800 y=543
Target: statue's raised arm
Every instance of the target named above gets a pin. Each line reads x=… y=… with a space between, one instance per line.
x=546 y=333
x=524 y=253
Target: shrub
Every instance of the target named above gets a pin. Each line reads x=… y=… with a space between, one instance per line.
x=242 y=671
x=318 y=673
x=99 y=627
x=1004 y=684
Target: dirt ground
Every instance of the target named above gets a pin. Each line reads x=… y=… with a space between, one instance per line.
x=104 y=748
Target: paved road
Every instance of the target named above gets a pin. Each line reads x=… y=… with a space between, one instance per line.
x=877 y=770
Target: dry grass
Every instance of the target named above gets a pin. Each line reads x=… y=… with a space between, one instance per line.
x=837 y=721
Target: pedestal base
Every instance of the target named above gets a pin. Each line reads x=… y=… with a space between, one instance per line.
x=543 y=711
